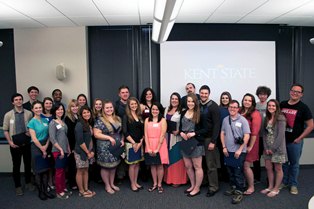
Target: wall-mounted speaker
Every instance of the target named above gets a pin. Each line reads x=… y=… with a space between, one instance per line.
x=61 y=72
x=312 y=40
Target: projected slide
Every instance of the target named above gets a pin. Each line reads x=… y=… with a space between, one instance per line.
x=235 y=66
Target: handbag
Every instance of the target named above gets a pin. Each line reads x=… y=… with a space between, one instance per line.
x=152 y=160
x=21 y=139
x=188 y=146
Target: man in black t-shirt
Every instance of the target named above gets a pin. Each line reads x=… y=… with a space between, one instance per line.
x=299 y=125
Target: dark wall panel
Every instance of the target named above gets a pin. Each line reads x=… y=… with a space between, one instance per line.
x=7 y=71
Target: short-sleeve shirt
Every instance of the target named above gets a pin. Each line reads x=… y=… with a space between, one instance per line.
x=40 y=127
x=240 y=126
x=296 y=116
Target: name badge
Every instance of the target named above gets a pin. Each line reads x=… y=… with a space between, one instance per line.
x=59 y=126
x=146 y=110
x=45 y=124
x=11 y=121
x=155 y=125
x=237 y=124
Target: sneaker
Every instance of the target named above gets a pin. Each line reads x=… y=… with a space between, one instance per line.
x=237 y=198
x=19 y=191
x=30 y=187
x=230 y=192
x=282 y=186
x=294 y=190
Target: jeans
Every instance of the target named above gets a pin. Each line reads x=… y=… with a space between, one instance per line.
x=236 y=175
x=17 y=154
x=291 y=168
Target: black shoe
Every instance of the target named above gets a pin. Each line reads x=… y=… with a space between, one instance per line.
x=135 y=190
x=186 y=192
x=193 y=195
x=211 y=193
x=49 y=195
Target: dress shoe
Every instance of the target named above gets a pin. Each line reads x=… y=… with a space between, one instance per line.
x=193 y=195
x=135 y=190
x=210 y=193
x=186 y=191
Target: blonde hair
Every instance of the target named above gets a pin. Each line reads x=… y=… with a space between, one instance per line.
x=105 y=119
x=69 y=114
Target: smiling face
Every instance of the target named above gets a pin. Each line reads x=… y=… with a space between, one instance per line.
x=247 y=102
x=108 y=109
x=98 y=105
x=149 y=96
x=271 y=107
x=190 y=103
x=57 y=96
x=37 y=109
x=233 y=109
x=225 y=100
x=81 y=101
x=204 y=95
x=133 y=105
x=17 y=101
x=59 y=112
x=33 y=94
x=86 y=115
x=174 y=101
x=47 y=105
x=74 y=109
x=155 y=111
x=296 y=93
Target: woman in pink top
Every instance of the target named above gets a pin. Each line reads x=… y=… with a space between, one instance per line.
x=155 y=128
x=254 y=118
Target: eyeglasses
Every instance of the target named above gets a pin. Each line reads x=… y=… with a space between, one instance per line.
x=233 y=107
x=295 y=92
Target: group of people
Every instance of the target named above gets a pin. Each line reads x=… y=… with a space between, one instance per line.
x=191 y=137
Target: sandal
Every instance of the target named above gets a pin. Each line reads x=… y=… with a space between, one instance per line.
x=266 y=191
x=85 y=194
x=160 y=190
x=152 y=188
x=247 y=192
x=273 y=193
x=90 y=192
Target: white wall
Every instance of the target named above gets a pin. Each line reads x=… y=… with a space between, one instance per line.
x=39 y=51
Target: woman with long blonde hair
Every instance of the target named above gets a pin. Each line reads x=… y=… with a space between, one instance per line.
x=108 y=132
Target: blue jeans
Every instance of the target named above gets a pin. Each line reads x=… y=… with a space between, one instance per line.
x=236 y=175
x=291 y=168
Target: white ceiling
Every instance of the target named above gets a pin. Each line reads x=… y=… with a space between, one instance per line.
x=69 y=13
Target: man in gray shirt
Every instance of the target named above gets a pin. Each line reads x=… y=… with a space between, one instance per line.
x=14 y=123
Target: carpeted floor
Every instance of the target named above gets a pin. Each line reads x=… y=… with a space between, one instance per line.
x=172 y=197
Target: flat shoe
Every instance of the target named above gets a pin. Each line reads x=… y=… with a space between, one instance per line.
x=193 y=195
x=140 y=187
x=266 y=191
x=247 y=192
x=273 y=194
x=135 y=190
x=187 y=191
